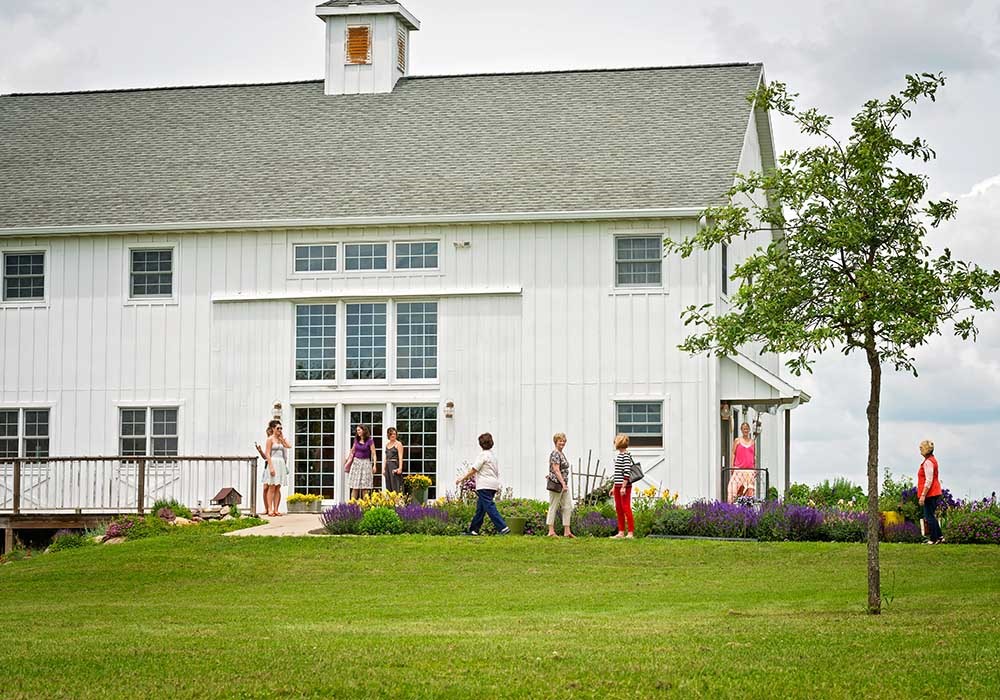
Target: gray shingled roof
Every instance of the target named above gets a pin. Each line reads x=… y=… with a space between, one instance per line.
x=348 y=3
x=530 y=142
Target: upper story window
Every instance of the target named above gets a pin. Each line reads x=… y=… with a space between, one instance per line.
x=24 y=276
x=422 y=255
x=316 y=342
x=366 y=356
x=24 y=432
x=416 y=340
x=316 y=258
x=151 y=273
x=642 y=421
x=638 y=261
x=365 y=256
x=358 y=45
x=148 y=432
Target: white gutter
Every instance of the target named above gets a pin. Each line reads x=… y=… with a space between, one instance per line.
x=398 y=220
x=230 y=298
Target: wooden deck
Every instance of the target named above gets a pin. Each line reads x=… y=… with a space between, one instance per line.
x=80 y=492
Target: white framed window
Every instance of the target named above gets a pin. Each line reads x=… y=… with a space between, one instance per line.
x=151 y=273
x=416 y=255
x=148 y=431
x=24 y=275
x=639 y=261
x=316 y=257
x=642 y=421
x=416 y=339
x=315 y=463
x=366 y=341
x=365 y=256
x=417 y=428
x=24 y=432
x=316 y=342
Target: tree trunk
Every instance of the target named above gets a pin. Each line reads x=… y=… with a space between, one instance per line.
x=874 y=585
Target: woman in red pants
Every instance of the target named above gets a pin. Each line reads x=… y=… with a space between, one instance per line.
x=623 y=489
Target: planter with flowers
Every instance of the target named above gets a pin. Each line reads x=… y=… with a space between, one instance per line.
x=304 y=503
x=417 y=485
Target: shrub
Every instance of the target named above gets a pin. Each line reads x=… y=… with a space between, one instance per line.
x=673 y=521
x=165 y=513
x=533 y=512
x=721 y=519
x=119 y=527
x=380 y=499
x=67 y=539
x=892 y=491
x=588 y=522
x=234 y=511
x=179 y=510
x=342 y=519
x=903 y=532
x=136 y=527
x=972 y=527
x=380 y=521
x=841 y=526
x=798 y=494
x=827 y=494
x=423 y=520
x=790 y=522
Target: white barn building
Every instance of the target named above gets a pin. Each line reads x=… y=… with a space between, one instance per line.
x=446 y=254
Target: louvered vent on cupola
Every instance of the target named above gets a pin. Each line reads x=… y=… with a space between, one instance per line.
x=367 y=45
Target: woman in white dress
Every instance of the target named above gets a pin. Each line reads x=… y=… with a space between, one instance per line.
x=276 y=452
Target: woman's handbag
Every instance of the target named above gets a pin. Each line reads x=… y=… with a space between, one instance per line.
x=635 y=471
x=553 y=485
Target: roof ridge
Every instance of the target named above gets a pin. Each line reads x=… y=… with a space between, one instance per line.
x=408 y=77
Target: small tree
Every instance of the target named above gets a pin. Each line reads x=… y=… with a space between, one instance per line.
x=851 y=270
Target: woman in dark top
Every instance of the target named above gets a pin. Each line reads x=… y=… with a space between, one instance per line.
x=361 y=462
x=392 y=462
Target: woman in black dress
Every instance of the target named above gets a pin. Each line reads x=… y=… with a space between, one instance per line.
x=392 y=464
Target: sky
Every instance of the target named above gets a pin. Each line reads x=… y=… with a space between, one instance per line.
x=835 y=55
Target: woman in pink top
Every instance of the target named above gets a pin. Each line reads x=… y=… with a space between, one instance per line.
x=741 y=478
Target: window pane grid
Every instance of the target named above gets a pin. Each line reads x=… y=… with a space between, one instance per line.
x=366 y=338
x=8 y=433
x=151 y=273
x=23 y=276
x=641 y=421
x=316 y=342
x=416 y=340
x=315 y=461
x=638 y=261
x=316 y=258
x=161 y=439
x=365 y=256
x=417 y=426
x=417 y=256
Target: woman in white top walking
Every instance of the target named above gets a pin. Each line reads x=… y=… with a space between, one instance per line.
x=487 y=473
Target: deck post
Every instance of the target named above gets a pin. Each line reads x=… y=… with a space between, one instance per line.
x=141 y=486
x=8 y=539
x=253 y=487
x=17 y=488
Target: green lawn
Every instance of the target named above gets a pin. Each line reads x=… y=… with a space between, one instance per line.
x=199 y=615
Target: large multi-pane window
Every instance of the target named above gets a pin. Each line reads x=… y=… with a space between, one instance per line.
x=151 y=272
x=417 y=426
x=316 y=342
x=422 y=255
x=316 y=258
x=416 y=340
x=365 y=256
x=24 y=432
x=366 y=326
x=638 y=261
x=148 y=432
x=315 y=455
x=23 y=276
x=642 y=421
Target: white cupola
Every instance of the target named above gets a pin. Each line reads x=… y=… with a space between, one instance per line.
x=367 y=45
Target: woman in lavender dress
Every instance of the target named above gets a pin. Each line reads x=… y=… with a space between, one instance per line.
x=361 y=461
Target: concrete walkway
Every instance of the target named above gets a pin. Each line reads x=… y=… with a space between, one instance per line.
x=294 y=525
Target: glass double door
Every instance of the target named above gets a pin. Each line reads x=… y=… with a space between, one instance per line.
x=371 y=418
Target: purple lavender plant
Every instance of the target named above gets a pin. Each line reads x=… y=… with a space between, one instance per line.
x=593 y=524
x=412 y=512
x=342 y=519
x=721 y=519
x=903 y=532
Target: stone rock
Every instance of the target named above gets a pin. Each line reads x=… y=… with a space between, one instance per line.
x=98 y=538
x=182 y=521
x=114 y=540
x=227 y=517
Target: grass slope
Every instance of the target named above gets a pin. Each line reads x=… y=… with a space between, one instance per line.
x=196 y=615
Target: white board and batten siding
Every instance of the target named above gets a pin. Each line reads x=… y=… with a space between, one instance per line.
x=534 y=338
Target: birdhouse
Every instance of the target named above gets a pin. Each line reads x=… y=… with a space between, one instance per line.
x=227 y=497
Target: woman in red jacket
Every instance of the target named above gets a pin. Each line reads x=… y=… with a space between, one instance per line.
x=929 y=491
